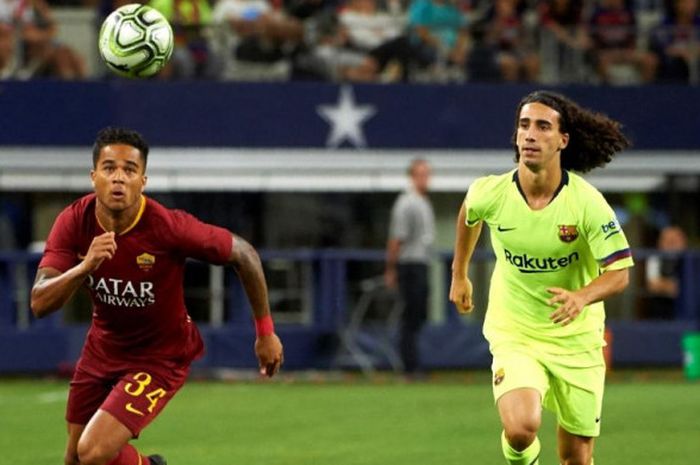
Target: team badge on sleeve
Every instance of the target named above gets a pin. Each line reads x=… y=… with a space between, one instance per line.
x=145 y=261
x=568 y=233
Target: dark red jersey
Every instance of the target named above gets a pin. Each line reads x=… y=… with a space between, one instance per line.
x=138 y=296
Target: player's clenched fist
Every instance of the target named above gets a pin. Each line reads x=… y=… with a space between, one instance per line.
x=461 y=294
x=103 y=247
x=270 y=354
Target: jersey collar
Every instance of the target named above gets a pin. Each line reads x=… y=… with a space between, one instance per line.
x=564 y=182
x=133 y=224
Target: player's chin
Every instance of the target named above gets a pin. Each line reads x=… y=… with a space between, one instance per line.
x=531 y=161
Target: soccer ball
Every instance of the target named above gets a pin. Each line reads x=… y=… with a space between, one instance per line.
x=135 y=41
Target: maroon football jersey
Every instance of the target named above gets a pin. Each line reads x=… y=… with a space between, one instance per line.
x=138 y=296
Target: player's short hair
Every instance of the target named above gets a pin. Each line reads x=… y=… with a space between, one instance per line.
x=112 y=135
x=414 y=163
x=594 y=138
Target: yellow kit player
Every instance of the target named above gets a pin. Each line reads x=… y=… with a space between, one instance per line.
x=560 y=252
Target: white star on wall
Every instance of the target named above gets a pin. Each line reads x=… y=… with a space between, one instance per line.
x=346 y=119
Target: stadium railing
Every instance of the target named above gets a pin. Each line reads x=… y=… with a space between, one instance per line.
x=316 y=296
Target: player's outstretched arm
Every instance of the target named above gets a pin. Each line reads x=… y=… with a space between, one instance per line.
x=268 y=348
x=461 y=287
x=52 y=289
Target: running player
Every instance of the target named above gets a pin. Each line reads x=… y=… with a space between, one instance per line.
x=130 y=251
x=560 y=252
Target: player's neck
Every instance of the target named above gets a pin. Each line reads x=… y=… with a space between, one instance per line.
x=539 y=186
x=118 y=221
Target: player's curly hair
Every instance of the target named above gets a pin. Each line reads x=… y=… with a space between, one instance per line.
x=594 y=138
x=112 y=135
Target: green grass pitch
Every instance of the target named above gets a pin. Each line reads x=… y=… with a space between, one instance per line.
x=384 y=422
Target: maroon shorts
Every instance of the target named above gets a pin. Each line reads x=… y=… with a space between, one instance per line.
x=133 y=392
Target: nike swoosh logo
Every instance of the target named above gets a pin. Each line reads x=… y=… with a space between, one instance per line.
x=502 y=229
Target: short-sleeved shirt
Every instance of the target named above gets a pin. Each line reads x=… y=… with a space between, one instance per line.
x=138 y=297
x=567 y=244
x=413 y=223
x=443 y=20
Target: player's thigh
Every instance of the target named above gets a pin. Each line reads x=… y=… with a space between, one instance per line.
x=139 y=397
x=103 y=438
x=574 y=449
x=519 y=384
x=87 y=392
x=576 y=395
x=513 y=368
x=74 y=433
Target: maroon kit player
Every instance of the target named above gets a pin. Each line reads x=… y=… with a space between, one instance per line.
x=130 y=252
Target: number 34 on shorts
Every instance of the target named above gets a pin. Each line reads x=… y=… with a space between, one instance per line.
x=146 y=394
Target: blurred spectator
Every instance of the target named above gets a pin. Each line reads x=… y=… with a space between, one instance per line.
x=377 y=36
x=564 y=18
x=8 y=62
x=191 y=56
x=438 y=29
x=31 y=23
x=676 y=41
x=329 y=54
x=367 y=26
x=366 y=43
x=663 y=272
x=482 y=60
x=564 y=36
x=503 y=33
x=614 y=35
x=262 y=34
x=408 y=253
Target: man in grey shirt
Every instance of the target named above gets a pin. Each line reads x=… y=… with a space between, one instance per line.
x=411 y=236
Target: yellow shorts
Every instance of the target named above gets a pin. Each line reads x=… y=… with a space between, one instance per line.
x=569 y=385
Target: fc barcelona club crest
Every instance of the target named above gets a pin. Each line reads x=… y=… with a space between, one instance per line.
x=145 y=261
x=568 y=232
x=498 y=376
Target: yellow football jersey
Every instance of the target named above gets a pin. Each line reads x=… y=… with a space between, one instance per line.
x=567 y=244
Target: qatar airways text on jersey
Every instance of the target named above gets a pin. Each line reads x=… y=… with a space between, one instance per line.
x=122 y=293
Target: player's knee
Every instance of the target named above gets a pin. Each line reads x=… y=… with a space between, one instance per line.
x=92 y=454
x=522 y=435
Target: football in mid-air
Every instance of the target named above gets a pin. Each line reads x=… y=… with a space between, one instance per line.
x=135 y=41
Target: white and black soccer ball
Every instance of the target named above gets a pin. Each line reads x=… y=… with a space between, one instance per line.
x=135 y=41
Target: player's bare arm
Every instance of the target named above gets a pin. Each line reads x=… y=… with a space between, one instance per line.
x=465 y=243
x=52 y=289
x=246 y=261
x=571 y=303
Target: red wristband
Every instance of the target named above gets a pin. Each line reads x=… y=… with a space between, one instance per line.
x=264 y=326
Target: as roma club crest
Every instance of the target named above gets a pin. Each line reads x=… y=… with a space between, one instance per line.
x=498 y=376
x=145 y=261
x=568 y=232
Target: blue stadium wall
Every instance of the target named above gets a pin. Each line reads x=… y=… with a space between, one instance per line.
x=205 y=114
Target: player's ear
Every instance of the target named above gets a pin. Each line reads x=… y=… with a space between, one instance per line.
x=564 y=141
x=143 y=184
x=92 y=177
